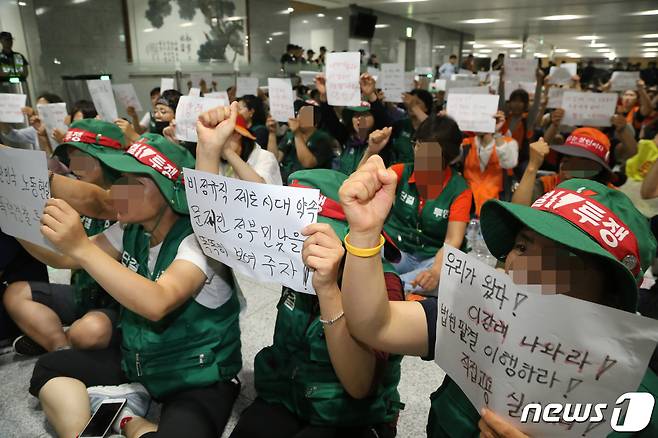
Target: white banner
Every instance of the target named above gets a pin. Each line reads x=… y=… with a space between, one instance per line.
x=281 y=99
x=520 y=70
x=506 y=347
x=392 y=82
x=342 y=75
x=253 y=228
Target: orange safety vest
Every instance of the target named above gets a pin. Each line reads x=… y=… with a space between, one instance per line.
x=484 y=185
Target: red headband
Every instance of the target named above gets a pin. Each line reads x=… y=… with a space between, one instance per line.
x=597 y=220
x=589 y=144
x=153 y=158
x=82 y=136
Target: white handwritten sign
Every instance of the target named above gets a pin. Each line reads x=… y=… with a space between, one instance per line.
x=391 y=81
x=470 y=90
x=245 y=85
x=440 y=84
x=11 y=107
x=187 y=113
x=253 y=228
x=473 y=112
x=281 y=99
x=166 y=84
x=126 y=94
x=624 y=80
x=506 y=347
x=562 y=75
x=53 y=116
x=24 y=190
x=590 y=109
x=555 y=97
x=194 y=92
x=220 y=95
x=409 y=81
x=343 y=87
x=520 y=70
x=103 y=97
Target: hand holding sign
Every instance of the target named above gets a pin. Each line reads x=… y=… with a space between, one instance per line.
x=323 y=253
x=62 y=228
x=11 y=107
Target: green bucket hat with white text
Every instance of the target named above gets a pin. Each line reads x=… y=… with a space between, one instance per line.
x=583 y=215
x=94 y=137
x=155 y=156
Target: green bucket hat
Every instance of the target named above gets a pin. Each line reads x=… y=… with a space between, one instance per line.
x=162 y=160
x=585 y=216
x=94 y=137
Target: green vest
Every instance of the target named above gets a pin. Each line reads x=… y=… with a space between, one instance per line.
x=296 y=372
x=403 y=147
x=453 y=416
x=290 y=163
x=350 y=158
x=16 y=68
x=421 y=233
x=193 y=346
x=87 y=294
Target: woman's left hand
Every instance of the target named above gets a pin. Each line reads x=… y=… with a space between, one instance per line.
x=428 y=279
x=493 y=426
x=322 y=252
x=230 y=148
x=62 y=227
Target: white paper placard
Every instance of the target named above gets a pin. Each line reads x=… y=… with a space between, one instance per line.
x=473 y=112
x=103 y=97
x=166 y=84
x=246 y=85
x=253 y=228
x=11 y=107
x=624 y=80
x=126 y=94
x=187 y=113
x=281 y=99
x=308 y=76
x=24 y=190
x=520 y=70
x=53 y=116
x=392 y=81
x=506 y=347
x=342 y=75
x=562 y=75
x=220 y=95
x=470 y=90
x=194 y=92
x=555 y=97
x=374 y=72
x=588 y=109
x=462 y=82
x=409 y=81
x=441 y=84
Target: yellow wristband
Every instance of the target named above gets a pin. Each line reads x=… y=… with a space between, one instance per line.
x=364 y=252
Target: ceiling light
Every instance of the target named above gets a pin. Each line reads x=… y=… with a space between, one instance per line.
x=481 y=55
x=470 y=42
x=480 y=21
x=649 y=49
x=519 y=51
x=596 y=45
x=410 y=32
x=650 y=35
x=650 y=55
x=479 y=46
x=561 y=50
x=604 y=50
x=588 y=37
x=277 y=33
x=40 y=11
x=485 y=51
x=320 y=15
x=339 y=18
x=188 y=24
x=540 y=55
x=22 y=4
x=503 y=42
x=573 y=55
x=440 y=47
x=287 y=11
x=650 y=44
x=611 y=56
x=562 y=17
x=305 y=21
x=381 y=26
x=513 y=46
x=514 y=55
x=148 y=29
x=650 y=12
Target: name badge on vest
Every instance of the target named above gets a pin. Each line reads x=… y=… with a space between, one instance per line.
x=290 y=300
x=407 y=199
x=129 y=262
x=440 y=213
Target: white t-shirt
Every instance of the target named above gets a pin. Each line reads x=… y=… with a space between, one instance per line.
x=146 y=120
x=217 y=289
x=264 y=164
x=507 y=151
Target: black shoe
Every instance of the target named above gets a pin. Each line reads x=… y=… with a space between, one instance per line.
x=27 y=347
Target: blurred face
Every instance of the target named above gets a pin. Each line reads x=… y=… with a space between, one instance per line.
x=548 y=267
x=516 y=106
x=154 y=99
x=428 y=169
x=629 y=99
x=85 y=167
x=163 y=113
x=363 y=124
x=136 y=199
x=42 y=101
x=7 y=44
x=245 y=112
x=577 y=167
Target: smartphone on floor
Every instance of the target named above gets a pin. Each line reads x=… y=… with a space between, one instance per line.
x=102 y=420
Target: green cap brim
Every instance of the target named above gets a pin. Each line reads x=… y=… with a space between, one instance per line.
x=358 y=109
x=173 y=192
x=501 y=221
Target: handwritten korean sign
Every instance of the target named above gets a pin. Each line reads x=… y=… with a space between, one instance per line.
x=246 y=85
x=281 y=99
x=103 y=97
x=253 y=228
x=343 y=79
x=562 y=75
x=24 y=190
x=473 y=112
x=11 y=107
x=624 y=80
x=591 y=109
x=520 y=70
x=53 y=115
x=187 y=112
x=506 y=347
x=125 y=93
x=555 y=97
x=391 y=81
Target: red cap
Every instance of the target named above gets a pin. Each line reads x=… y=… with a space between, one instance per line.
x=587 y=143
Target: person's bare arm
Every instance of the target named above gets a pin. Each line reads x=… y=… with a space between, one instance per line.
x=627 y=146
x=524 y=192
x=645 y=101
x=87 y=199
x=554 y=128
x=377 y=140
x=649 y=188
x=272 y=144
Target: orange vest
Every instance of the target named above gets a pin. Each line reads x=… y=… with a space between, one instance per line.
x=484 y=185
x=549 y=182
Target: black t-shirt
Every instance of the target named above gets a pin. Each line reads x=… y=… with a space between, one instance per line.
x=430 y=306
